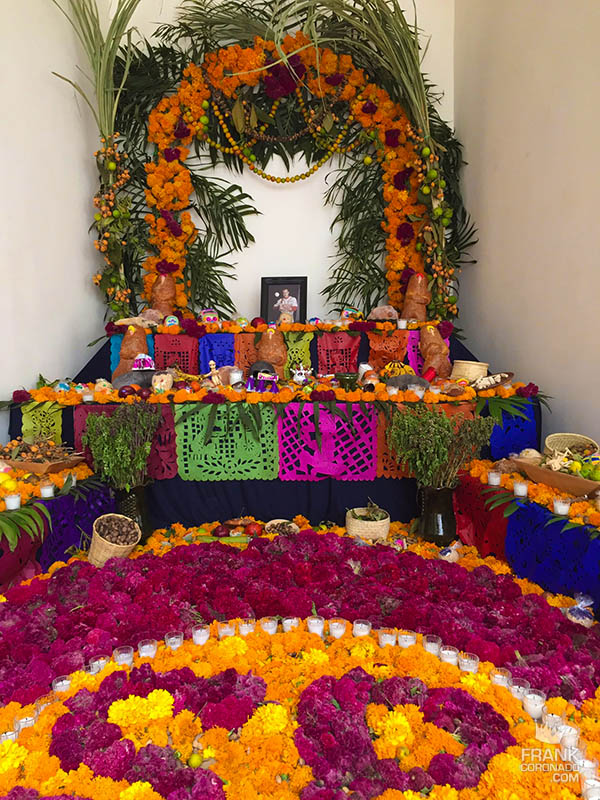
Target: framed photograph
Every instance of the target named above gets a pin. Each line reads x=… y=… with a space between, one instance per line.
x=282 y=298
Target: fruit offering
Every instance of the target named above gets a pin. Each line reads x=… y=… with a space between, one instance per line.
x=576 y=461
x=39 y=451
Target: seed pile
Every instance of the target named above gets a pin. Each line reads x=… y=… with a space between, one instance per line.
x=117 y=530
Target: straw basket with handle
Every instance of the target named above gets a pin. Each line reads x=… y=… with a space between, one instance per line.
x=569 y=441
x=102 y=549
x=373 y=529
x=468 y=370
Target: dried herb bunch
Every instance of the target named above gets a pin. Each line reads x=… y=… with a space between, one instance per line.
x=434 y=446
x=120 y=444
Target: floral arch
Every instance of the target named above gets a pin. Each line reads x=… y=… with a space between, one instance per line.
x=344 y=112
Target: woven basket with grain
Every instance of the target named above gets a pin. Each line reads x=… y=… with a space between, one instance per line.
x=374 y=530
x=568 y=441
x=101 y=550
x=469 y=370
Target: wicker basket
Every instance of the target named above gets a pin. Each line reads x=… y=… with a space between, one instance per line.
x=374 y=530
x=469 y=370
x=101 y=550
x=562 y=441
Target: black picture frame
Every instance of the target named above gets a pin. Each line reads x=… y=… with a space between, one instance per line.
x=271 y=292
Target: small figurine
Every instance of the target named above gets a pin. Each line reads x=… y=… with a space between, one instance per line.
x=301 y=374
x=285 y=318
x=213 y=375
x=162 y=382
x=63 y=386
x=209 y=315
x=171 y=320
x=314 y=320
x=242 y=322
x=80 y=387
x=350 y=313
x=143 y=361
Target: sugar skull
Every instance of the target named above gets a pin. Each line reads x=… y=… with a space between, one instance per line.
x=170 y=320
x=162 y=382
x=242 y=322
x=102 y=385
x=314 y=320
x=208 y=315
x=142 y=361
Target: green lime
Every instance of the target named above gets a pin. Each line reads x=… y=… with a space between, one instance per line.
x=204 y=120
x=111 y=166
x=116 y=213
x=442 y=184
x=252 y=157
x=372 y=134
x=247 y=152
x=205 y=104
x=449 y=212
x=432 y=174
x=419 y=246
x=446 y=222
x=453 y=298
x=426 y=151
x=98 y=216
x=194 y=760
x=437 y=212
x=596 y=474
x=425 y=190
x=367 y=160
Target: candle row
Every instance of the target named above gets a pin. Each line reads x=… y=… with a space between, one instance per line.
x=13 y=501
x=521 y=489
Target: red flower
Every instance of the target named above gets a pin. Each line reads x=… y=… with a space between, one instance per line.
x=531 y=390
x=369 y=107
x=445 y=328
x=335 y=79
x=324 y=397
x=392 y=137
x=193 y=328
x=171 y=153
x=365 y=325
x=21 y=396
x=214 y=398
x=165 y=267
x=181 y=130
x=400 y=178
x=405 y=233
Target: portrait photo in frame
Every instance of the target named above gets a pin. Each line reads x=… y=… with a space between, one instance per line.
x=283 y=296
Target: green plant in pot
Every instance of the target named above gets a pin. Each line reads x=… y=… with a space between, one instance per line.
x=120 y=444
x=434 y=448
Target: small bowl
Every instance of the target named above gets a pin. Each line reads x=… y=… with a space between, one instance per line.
x=272 y=522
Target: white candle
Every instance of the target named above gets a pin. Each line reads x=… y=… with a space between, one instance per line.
x=73 y=479
x=588 y=768
x=590 y=789
x=418 y=390
x=361 y=627
x=494 y=478
x=88 y=397
x=406 y=638
x=402 y=323
x=47 y=490
x=386 y=636
x=8 y=736
x=226 y=629
x=246 y=626
x=500 y=676
x=123 y=656
x=520 y=489
x=13 y=501
x=552 y=721
x=449 y=655
x=392 y=391
x=269 y=624
x=200 y=634
x=147 y=648
x=337 y=628
x=24 y=722
x=533 y=703
x=519 y=687
x=316 y=625
x=569 y=736
x=289 y=623
x=61 y=684
x=468 y=662
x=432 y=644
x=562 y=506
x=98 y=663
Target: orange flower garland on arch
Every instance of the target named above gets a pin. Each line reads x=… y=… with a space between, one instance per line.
x=179 y=119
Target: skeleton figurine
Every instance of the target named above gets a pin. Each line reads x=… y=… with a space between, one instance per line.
x=213 y=376
x=301 y=374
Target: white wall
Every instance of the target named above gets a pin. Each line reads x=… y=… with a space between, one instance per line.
x=526 y=82
x=292 y=235
x=49 y=308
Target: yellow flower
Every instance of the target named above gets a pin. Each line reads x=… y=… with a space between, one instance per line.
x=160 y=704
x=209 y=752
x=140 y=790
x=232 y=646
x=396 y=730
x=475 y=682
x=3 y=599
x=313 y=656
x=138 y=710
x=267 y=720
x=12 y=755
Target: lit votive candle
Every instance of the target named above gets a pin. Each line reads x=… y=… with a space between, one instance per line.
x=418 y=390
x=518 y=687
x=468 y=662
x=226 y=629
x=13 y=501
x=449 y=655
x=147 y=648
x=8 y=736
x=361 y=627
x=43 y=702
x=269 y=625
x=533 y=702
x=246 y=626
x=88 y=397
x=316 y=625
x=494 y=478
x=432 y=644
x=569 y=736
x=289 y=623
x=200 y=633
x=588 y=768
x=337 y=628
x=562 y=506
x=386 y=636
x=392 y=391
x=552 y=721
x=73 y=478
x=97 y=663
x=61 y=684
x=24 y=722
x=500 y=676
x=402 y=324
x=520 y=489
x=123 y=656
x=406 y=638
x=590 y=788
x=47 y=490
